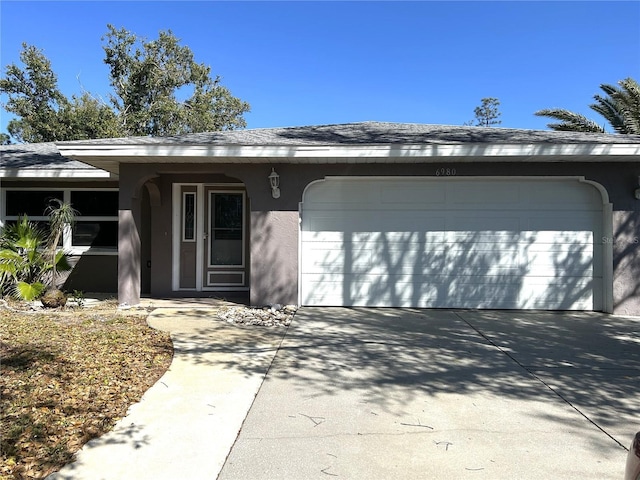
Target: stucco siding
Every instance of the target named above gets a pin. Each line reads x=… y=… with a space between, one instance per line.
x=93 y=274
x=626 y=262
x=274 y=258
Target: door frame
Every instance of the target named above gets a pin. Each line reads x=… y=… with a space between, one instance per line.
x=202 y=209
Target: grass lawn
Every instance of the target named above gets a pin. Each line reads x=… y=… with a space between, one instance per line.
x=66 y=377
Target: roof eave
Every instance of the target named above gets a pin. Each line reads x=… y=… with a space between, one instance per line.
x=82 y=151
x=110 y=156
x=89 y=173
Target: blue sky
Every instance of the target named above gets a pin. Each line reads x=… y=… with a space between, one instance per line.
x=306 y=63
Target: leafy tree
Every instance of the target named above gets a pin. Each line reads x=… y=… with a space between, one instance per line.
x=44 y=113
x=33 y=96
x=86 y=117
x=148 y=78
x=159 y=89
x=5 y=139
x=620 y=107
x=487 y=113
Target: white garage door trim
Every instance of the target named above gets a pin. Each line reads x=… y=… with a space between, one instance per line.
x=598 y=233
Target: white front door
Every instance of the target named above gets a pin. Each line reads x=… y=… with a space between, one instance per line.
x=209 y=235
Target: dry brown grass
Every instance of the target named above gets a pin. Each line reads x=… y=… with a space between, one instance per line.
x=66 y=377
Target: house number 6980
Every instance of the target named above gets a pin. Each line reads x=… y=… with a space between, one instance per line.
x=445 y=172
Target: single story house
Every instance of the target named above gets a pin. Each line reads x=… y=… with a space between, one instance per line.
x=360 y=214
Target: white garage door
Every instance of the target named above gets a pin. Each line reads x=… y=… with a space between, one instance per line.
x=452 y=243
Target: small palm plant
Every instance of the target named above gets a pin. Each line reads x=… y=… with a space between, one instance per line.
x=30 y=260
x=61 y=216
x=22 y=263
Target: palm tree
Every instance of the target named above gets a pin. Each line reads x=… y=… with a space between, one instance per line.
x=620 y=107
x=61 y=216
x=30 y=260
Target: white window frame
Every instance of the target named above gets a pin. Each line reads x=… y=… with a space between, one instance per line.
x=67 y=236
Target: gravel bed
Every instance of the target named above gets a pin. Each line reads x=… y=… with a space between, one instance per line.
x=269 y=316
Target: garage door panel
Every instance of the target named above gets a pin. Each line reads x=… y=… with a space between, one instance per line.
x=483 y=223
x=560 y=260
x=319 y=259
x=502 y=238
x=328 y=222
x=496 y=194
x=429 y=243
x=403 y=222
x=441 y=290
x=342 y=193
x=325 y=295
x=412 y=257
x=577 y=197
x=580 y=222
x=554 y=295
x=352 y=221
x=412 y=195
x=401 y=291
x=558 y=237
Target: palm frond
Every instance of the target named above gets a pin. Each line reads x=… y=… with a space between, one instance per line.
x=620 y=107
x=29 y=291
x=628 y=99
x=570 y=121
x=61 y=261
x=610 y=109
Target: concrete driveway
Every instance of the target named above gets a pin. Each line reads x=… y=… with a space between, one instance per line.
x=435 y=394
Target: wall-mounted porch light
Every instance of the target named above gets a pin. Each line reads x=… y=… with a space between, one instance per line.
x=274 y=181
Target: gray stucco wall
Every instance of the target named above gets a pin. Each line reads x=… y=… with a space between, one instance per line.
x=274 y=223
x=626 y=262
x=274 y=257
x=93 y=274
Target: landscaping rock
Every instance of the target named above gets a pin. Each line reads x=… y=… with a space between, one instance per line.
x=269 y=316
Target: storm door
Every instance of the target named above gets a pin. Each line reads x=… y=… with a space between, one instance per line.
x=224 y=240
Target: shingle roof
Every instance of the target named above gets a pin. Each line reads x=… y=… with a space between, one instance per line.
x=46 y=156
x=44 y=161
x=372 y=133
x=36 y=155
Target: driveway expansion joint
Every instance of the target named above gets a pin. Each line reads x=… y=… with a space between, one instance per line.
x=547 y=385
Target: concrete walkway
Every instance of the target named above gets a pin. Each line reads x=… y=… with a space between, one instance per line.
x=185 y=425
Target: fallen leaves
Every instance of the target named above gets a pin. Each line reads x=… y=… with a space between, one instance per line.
x=67 y=378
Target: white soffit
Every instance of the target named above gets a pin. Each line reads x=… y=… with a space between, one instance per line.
x=53 y=173
x=347 y=151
